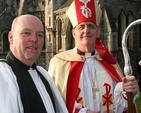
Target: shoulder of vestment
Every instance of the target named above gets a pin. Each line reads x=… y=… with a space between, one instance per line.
x=70 y=55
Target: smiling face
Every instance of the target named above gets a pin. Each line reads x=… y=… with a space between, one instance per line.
x=26 y=38
x=85 y=35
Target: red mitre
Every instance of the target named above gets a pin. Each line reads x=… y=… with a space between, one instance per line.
x=84 y=11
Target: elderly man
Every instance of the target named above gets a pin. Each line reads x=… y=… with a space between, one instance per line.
x=88 y=77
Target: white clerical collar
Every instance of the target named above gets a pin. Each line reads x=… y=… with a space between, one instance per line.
x=86 y=54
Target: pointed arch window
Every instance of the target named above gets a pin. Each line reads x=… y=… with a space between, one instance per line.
x=121 y=28
x=128 y=21
x=5 y=42
x=49 y=21
x=59 y=34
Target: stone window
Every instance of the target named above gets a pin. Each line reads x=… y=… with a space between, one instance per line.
x=49 y=21
x=5 y=42
x=130 y=36
x=49 y=37
x=121 y=27
x=59 y=35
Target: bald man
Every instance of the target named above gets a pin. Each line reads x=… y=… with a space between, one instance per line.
x=25 y=87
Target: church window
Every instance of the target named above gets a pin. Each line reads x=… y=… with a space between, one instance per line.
x=128 y=21
x=59 y=35
x=5 y=42
x=121 y=28
x=49 y=21
x=49 y=38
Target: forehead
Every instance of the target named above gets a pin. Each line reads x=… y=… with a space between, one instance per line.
x=86 y=23
x=30 y=23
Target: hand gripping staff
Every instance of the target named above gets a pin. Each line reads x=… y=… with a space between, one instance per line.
x=127 y=68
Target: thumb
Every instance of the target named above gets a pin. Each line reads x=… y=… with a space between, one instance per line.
x=124 y=80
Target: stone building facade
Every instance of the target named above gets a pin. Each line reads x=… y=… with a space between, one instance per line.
x=116 y=16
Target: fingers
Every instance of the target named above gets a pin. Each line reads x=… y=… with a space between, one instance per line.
x=130 y=84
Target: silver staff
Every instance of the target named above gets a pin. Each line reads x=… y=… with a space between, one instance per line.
x=127 y=68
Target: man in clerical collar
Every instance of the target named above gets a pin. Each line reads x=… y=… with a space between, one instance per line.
x=88 y=76
x=24 y=86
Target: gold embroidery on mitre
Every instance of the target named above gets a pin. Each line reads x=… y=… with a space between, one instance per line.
x=85 y=10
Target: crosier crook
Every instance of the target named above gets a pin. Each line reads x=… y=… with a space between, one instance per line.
x=127 y=68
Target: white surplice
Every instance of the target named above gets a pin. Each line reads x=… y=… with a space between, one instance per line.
x=10 y=101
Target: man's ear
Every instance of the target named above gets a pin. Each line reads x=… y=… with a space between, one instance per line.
x=10 y=37
x=98 y=32
x=73 y=33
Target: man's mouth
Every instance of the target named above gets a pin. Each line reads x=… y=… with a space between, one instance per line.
x=33 y=48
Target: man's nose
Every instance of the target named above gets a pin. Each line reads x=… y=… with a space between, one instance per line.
x=86 y=28
x=34 y=38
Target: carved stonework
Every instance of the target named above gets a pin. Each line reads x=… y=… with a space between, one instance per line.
x=33 y=3
x=3 y=7
x=12 y=7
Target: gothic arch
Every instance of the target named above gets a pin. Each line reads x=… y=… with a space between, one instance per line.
x=59 y=35
x=58 y=19
x=129 y=19
x=121 y=27
x=5 y=42
x=70 y=40
x=64 y=40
